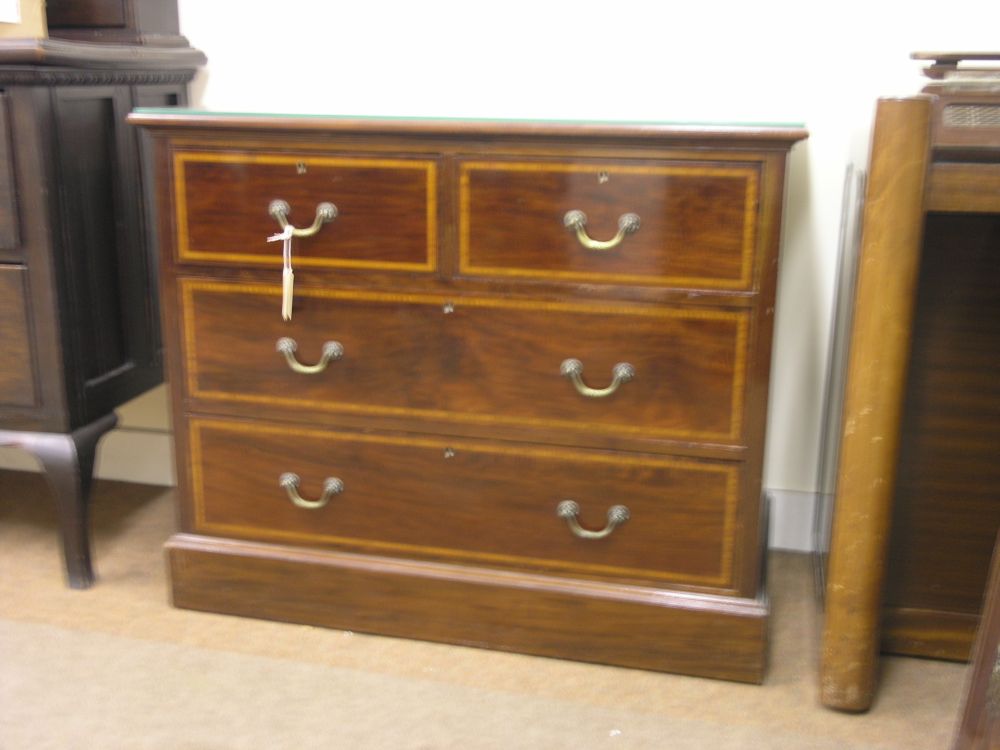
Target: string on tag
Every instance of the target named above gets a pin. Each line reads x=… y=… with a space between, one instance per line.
x=287 y=275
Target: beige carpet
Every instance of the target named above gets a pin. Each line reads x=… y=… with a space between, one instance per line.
x=117 y=667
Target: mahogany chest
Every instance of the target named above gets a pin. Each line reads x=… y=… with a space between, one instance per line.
x=512 y=395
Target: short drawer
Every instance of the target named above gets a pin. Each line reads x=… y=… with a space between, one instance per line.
x=678 y=224
x=10 y=242
x=386 y=209
x=479 y=360
x=466 y=500
x=17 y=375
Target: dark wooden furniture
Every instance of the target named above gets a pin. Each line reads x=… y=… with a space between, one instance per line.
x=979 y=728
x=143 y=22
x=78 y=314
x=947 y=508
x=917 y=507
x=502 y=437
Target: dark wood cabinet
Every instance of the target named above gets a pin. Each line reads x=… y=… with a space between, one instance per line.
x=80 y=324
x=138 y=22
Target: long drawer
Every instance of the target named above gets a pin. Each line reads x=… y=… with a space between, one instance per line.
x=619 y=369
x=492 y=503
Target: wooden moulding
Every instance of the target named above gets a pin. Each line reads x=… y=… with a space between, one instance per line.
x=874 y=391
x=60 y=53
x=778 y=137
x=965 y=188
x=928 y=633
x=645 y=628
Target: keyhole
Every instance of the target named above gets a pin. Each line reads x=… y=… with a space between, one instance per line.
x=448 y=308
x=300 y=168
x=449 y=452
x=603 y=177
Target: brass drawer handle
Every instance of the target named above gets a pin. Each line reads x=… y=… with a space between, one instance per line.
x=331 y=350
x=577 y=221
x=280 y=209
x=570 y=511
x=573 y=369
x=290 y=483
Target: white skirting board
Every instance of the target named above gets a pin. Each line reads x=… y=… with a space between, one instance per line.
x=792 y=518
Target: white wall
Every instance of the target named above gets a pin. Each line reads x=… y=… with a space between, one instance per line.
x=822 y=64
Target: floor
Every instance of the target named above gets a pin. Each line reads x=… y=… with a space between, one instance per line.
x=117 y=667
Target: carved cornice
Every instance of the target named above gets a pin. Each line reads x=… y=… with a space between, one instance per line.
x=28 y=76
x=58 y=62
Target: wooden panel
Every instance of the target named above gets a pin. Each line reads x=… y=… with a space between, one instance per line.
x=387 y=209
x=17 y=381
x=472 y=501
x=979 y=728
x=85 y=13
x=159 y=96
x=698 y=221
x=168 y=95
x=111 y=327
x=946 y=511
x=9 y=231
x=92 y=245
x=873 y=401
x=931 y=633
x=632 y=627
x=488 y=360
x=966 y=188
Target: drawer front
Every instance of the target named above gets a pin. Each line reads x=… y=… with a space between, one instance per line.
x=696 y=222
x=479 y=359
x=10 y=242
x=386 y=209
x=467 y=500
x=17 y=381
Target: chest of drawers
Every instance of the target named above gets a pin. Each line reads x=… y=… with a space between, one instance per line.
x=519 y=399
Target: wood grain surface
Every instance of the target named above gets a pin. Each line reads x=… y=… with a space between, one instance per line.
x=946 y=510
x=17 y=376
x=386 y=208
x=488 y=359
x=586 y=621
x=448 y=417
x=979 y=728
x=10 y=232
x=873 y=402
x=697 y=220
x=475 y=501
